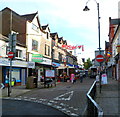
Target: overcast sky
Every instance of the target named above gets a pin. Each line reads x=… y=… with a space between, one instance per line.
x=70 y=21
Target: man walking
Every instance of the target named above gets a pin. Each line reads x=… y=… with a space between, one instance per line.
x=81 y=78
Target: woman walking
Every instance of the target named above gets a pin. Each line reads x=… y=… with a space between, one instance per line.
x=72 y=78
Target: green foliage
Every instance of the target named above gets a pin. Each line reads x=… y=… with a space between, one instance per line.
x=87 y=64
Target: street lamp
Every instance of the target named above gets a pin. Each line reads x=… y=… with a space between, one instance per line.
x=87 y=9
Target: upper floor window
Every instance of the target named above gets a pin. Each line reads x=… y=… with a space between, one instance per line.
x=47 y=35
x=47 y=50
x=60 y=57
x=34 y=45
x=34 y=27
x=18 y=53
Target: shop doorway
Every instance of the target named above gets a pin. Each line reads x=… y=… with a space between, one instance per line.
x=23 y=76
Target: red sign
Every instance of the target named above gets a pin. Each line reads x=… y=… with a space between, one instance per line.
x=99 y=58
x=10 y=55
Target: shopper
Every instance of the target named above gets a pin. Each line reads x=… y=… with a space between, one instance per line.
x=81 y=78
x=72 y=78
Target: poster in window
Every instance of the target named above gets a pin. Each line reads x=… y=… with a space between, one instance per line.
x=50 y=73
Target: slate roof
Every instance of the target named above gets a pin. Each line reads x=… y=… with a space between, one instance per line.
x=44 y=27
x=59 y=39
x=53 y=34
x=115 y=21
x=29 y=17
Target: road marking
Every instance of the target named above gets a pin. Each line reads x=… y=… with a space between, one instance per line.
x=62 y=97
x=61 y=106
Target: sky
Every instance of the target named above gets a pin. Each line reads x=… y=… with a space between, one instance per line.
x=67 y=18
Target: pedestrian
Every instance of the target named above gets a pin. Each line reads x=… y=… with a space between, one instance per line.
x=72 y=78
x=81 y=78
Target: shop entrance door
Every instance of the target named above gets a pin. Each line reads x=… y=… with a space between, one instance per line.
x=23 y=77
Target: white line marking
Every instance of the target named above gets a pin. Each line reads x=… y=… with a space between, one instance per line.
x=61 y=97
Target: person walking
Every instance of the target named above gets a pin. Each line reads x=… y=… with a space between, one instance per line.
x=72 y=78
x=81 y=78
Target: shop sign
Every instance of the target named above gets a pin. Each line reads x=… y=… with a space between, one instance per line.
x=31 y=64
x=37 y=57
x=19 y=63
x=6 y=62
x=50 y=73
x=46 y=61
x=111 y=62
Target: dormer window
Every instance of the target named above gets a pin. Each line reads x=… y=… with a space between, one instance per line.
x=47 y=35
x=35 y=28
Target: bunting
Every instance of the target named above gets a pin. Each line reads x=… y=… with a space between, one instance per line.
x=70 y=47
x=108 y=53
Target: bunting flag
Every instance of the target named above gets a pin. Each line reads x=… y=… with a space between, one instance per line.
x=108 y=53
x=70 y=47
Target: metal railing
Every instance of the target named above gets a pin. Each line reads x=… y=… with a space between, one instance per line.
x=93 y=109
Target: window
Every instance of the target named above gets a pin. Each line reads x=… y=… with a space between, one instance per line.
x=34 y=27
x=47 y=35
x=60 y=57
x=18 y=53
x=47 y=50
x=34 y=45
x=53 y=54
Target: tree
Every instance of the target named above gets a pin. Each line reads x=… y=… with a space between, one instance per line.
x=87 y=64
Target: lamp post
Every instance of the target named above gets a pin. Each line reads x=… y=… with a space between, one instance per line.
x=87 y=9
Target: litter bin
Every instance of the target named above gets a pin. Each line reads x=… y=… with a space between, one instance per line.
x=35 y=82
x=31 y=82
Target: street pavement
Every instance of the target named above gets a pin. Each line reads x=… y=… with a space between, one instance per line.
x=109 y=98
x=66 y=97
x=25 y=108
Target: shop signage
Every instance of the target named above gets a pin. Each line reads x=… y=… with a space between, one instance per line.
x=19 y=63
x=37 y=57
x=50 y=73
x=6 y=62
x=46 y=61
x=31 y=64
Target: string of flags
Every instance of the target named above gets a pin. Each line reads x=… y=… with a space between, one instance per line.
x=108 y=53
x=70 y=47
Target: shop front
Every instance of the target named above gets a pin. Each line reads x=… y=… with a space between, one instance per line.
x=19 y=71
x=41 y=64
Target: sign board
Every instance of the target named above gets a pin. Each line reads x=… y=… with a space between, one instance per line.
x=10 y=55
x=50 y=73
x=37 y=57
x=99 y=58
x=104 y=78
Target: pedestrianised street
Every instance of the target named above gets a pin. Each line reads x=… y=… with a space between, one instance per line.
x=66 y=97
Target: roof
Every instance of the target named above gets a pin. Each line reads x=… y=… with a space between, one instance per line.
x=53 y=34
x=115 y=21
x=44 y=27
x=64 y=42
x=60 y=39
x=6 y=8
x=3 y=38
x=29 y=17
